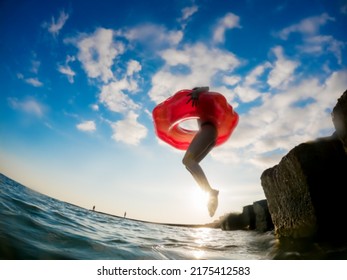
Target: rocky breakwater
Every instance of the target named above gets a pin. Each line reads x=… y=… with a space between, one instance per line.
x=306 y=192
x=255 y=216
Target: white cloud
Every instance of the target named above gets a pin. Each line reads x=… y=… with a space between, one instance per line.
x=87 y=126
x=29 y=106
x=195 y=65
x=308 y=26
x=247 y=90
x=133 y=67
x=186 y=15
x=202 y=65
x=231 y=80
x=229 y=21
x=56 y=25
x=313 y=42
x=152 y=36
x=35 y=65
x=282 y=73
x=343 y=9
x=320 y=44
x=115 y=98
x=267 y=132
x=66 y=70
x=34 y=82
x=95 y=107
x=246 y=94
x=253 y=77
x=188 y=12
x=97 y=52
x=129 y=130
x=20 y=76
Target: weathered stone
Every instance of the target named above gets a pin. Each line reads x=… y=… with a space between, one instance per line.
x=233 y=221
x=339 y=117
x=306 y=191
x=253 y=217
x=248 y=217
x=263 y=220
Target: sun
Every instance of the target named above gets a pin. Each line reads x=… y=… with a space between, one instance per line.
x=199 y=198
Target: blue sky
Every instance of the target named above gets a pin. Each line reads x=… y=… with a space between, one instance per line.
x=79 y=80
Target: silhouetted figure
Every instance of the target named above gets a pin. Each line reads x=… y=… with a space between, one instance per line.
x=203 y=142
x=125 y=214
x=94 y=208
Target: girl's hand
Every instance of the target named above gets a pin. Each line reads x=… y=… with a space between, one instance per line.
x=194 y=95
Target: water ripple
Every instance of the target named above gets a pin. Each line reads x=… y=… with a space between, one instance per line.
x=34 y=226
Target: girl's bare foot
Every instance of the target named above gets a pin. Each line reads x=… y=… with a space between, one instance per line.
x=212 y=202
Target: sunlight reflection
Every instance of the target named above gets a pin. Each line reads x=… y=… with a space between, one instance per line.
x=203 y=237
x=199 y=254
x=199 y=199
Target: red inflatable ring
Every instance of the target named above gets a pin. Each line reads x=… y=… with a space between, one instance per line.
x=212 y=107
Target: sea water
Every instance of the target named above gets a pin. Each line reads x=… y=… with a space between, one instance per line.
x=35 y=226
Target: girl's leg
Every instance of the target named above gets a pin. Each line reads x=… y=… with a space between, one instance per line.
x=201 y=145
